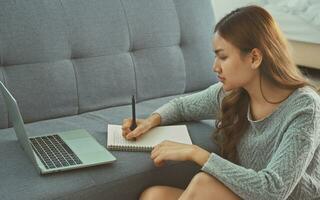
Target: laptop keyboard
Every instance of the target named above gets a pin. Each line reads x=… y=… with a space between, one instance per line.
x=54 y=152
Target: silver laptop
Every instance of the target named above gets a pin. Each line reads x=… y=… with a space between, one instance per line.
x=57 y=151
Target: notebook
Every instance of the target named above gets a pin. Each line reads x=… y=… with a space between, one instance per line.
x=177 y=133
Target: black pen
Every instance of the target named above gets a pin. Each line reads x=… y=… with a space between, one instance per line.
x=133 y=105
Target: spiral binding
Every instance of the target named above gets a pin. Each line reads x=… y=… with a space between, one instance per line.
x=130 y=148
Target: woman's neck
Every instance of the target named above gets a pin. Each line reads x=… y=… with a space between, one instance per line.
x=266 y=95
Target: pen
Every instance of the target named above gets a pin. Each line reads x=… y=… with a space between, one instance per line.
x=133 y=106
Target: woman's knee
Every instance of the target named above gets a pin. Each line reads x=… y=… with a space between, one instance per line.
x=205 y=186
x=201 y=179
x=153 y=193
x=161 y=192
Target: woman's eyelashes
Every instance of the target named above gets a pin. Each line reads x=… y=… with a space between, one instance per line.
x=223 y=57
x=220 y=55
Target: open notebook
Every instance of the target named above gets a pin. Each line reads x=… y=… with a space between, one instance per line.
x=146 y=142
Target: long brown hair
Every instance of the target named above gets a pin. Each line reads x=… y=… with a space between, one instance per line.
x=248 y=28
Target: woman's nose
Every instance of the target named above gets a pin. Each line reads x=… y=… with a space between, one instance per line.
x=216 y=67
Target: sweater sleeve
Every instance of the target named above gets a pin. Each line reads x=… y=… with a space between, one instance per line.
x=198 y=106
x=288 y=163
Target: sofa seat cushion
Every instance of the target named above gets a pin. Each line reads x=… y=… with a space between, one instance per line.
x=124 y=179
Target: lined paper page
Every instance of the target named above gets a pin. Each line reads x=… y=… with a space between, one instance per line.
x=178 y=133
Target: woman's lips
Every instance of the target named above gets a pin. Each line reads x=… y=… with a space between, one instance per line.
x=221 y=78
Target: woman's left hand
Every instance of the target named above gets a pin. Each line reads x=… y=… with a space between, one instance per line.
x=169 y=150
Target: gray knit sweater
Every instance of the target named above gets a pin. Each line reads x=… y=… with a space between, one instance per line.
x=279 y=156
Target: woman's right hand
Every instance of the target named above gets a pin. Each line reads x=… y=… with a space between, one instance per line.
x=143 y=126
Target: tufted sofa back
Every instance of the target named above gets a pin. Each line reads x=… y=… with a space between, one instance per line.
x=65 y=57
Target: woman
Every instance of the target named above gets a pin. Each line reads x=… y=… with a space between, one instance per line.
x=268 y=124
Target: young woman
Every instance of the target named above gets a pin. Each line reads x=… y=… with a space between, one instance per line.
x=268 y=120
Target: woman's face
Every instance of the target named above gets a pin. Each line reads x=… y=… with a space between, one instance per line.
x=233 y=68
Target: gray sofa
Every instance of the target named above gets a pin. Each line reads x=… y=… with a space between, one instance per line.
x=75 y=63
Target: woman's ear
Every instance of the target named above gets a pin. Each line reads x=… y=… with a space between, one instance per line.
x=256 y=58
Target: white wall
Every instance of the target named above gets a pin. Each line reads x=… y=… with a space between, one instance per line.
x=223 y=7
x=304 y=53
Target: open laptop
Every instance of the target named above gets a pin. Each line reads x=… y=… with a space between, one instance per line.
x=57 y=151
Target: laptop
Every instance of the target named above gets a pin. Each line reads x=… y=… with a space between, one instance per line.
x=58 y=151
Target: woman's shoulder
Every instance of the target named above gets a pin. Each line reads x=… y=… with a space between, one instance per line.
x=302 y=110
x=305 y=98
x=307 y=95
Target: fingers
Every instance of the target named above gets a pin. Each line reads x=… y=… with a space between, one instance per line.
x=160 y=153
x=157 y=158
x=127 y=133
x=142 y=128
x=126 y=127
x=135 y=133
x=169 y=150
x=159 y=162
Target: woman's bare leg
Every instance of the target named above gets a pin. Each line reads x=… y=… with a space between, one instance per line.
x=204 y=186
x=201 y=187
x=160 y=193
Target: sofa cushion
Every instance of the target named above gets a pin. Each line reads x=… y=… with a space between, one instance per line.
x=104 y=81
x=75 y=64
x=65 y=57
x=196 y=27
x=123 y=179
x=56 y=95
x=159 y=71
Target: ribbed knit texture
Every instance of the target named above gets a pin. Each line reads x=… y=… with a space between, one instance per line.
x=279 y=156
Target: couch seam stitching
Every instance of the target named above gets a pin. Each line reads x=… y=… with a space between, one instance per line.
x=5 y=83
x=130 y=49
x=68 y=26
x=129 y=29
x=71 y=60
x=1 y=59
x=180 y=42
x=135 y=75
x=77 y=85
x=88 y=57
